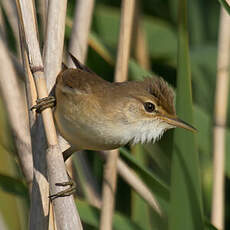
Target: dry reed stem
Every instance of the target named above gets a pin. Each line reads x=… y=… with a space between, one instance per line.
x=98 y=48
x=42 y=10
x=89 y=183
x=39 y=207
x=52 y=223
x=16 y=109
x=140 y=43
x=80 y=30
x=221 y=97
x=135 y=183
x=54 y=40
x=52 y=61
x=78 y=47
x=130 y=176
x=9 y=7
x=17 y=66
x=141 y=51
x=65 y=210
x=110 y=169
x=2 y=26
x=55 y=28
x=31 y=93
x=2 y=223
x=127 y=16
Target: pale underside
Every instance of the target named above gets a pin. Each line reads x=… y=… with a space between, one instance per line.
x=94 y=114
x=108 y=136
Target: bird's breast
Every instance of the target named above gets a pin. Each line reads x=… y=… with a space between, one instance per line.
x=86 y=130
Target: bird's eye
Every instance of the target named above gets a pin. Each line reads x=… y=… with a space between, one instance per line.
x=149 y=107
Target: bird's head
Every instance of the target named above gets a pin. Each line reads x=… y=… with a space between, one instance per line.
x=147 y=110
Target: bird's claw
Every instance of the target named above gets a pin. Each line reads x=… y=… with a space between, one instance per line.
x=43 y=103
x=67 y=192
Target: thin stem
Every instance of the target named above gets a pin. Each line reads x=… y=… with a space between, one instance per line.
x=39 y=209
x=54 y=41
x=136 y=183
x=42 y=10
x=140 y=41
x=10 y=10
x=16 y=108
x=88 y=180
x=78 y=46
x=2 y=26
x=65 y=211
x=219 y=128
x=2 y=223
x=80 y=30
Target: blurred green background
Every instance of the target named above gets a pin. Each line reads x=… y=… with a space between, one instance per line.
x=151 y=161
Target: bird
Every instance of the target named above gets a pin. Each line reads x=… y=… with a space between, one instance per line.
x=94 y=114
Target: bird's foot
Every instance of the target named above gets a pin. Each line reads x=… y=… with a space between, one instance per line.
x=67 y=192
x=46 y=102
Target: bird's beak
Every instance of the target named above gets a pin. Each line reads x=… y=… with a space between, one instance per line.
x=175 y=121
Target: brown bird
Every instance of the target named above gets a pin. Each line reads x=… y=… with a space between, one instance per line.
x=94 y=114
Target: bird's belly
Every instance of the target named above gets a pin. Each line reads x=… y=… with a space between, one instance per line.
x=85 y=136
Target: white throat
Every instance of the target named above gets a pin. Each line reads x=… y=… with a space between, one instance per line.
x=145 y=132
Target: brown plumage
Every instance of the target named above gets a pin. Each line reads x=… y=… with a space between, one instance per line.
x=95 y=114
x=155 y=86
x=164 y=94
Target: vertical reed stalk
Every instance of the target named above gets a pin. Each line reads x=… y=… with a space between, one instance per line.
x=65 y=211
x=42 y=10
x=2 y=25
x=54 y=40
x=110 y=170
x=140 y=42
x=80 y=30
x=10 y=10
x=78 y=47
x=219 y=129
x=134 y=181
x=2 y=223
x=39 y=208
x=15 y=104
x=89 y=182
